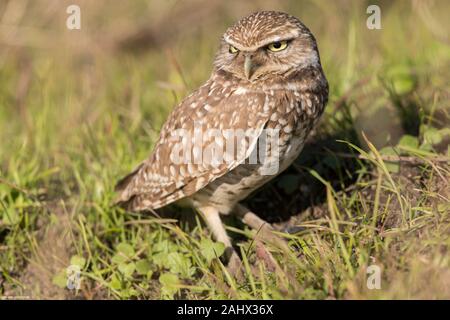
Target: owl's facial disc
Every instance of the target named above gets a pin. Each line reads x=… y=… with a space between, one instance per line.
x=271 y=57
x=266 y=44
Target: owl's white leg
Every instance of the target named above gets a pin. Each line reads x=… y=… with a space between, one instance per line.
x=264 y=229
x=212 y=217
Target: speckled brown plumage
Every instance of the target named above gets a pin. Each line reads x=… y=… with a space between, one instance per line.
x=250 y=87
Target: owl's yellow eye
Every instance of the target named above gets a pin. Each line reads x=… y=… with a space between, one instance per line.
x=233 y=49
x=277 y=46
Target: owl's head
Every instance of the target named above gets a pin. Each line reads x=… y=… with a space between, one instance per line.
x=265 y=44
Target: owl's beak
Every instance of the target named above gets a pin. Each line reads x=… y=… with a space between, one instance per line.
x=248 y=66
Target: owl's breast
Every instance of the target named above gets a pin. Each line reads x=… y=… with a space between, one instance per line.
x=291 y=115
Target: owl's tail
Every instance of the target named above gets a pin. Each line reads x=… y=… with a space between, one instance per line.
x=121 y=187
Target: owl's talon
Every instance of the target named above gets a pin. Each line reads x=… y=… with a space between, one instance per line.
x=235 y=266
x=264 y=229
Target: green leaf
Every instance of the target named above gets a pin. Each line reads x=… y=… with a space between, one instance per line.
x=402 y=80
x=127 y=269
x=160 y=259
x=393 y=167
x=126 y=249
x=170 y=284
x=125 y=252
x=11 y=216
x=445 y=131
x=60 y=279
x=119 y=258
x=115 y=282
x=179 y=264
x=143 y=267
x=129 y=293
x=210 y=249
x=409 y=141
x=78 y=261
x=432 y=136
x=426 y=147
x=165 y=246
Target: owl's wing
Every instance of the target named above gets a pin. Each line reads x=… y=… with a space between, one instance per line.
x=161 y=179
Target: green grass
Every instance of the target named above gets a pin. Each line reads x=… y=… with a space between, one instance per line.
x=76 y=119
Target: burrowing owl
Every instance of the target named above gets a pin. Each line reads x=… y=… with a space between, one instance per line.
x=266 y=76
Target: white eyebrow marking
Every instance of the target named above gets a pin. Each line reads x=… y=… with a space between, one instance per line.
x=293 y=34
